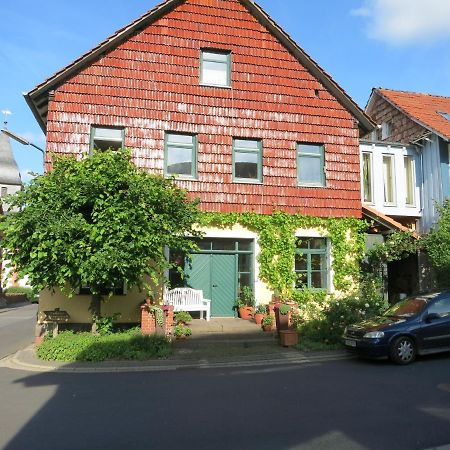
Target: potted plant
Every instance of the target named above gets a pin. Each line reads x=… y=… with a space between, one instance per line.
x=260 y=312
x=267 y=323
x=245 y=303
x=282 y=313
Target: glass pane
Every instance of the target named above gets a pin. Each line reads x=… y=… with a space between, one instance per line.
x=180 y=139
x=204 y=244
x=301 y=280
x=244 y=280
x=246 y=165
x=388 y=179
x=108 y=133
x=317 y=243
x=104 y=145
x=302 y=243
x=318 y=280
x=224 y=244
x=245 y=143
x=310 y=149
x=245 y=262
x=318 y=262
x=310 y=169
x=245 y=246
x=409 y=178
x=214 y=56
x=215 y=73
x=301 y=262
x=367 y=177
x=179 y=161
x=441 y=307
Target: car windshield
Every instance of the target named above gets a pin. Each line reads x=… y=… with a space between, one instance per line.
x=407 y=308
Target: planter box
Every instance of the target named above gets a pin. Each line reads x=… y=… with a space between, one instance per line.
x=288 y=338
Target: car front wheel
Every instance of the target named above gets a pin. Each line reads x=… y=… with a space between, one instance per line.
x=403 y=350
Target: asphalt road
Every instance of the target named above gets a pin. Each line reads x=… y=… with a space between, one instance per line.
x=16 y=328
x=347 y=404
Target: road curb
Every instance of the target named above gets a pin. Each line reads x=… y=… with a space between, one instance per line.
x=18 y=362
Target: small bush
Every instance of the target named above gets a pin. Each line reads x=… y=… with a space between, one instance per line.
x=127 y=345
x=183 y=317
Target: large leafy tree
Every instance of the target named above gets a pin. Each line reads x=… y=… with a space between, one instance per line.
x=437 y=242
x=97 y=221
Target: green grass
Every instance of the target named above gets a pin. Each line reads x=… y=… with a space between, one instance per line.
x=309 y=345
x=127 y=345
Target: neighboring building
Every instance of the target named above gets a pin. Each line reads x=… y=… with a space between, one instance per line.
x=405 y=169
x=420 y=123
x=10 y=182
x=216 y=94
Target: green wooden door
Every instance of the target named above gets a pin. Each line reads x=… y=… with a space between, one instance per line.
x=223 y=285
x=215 y=275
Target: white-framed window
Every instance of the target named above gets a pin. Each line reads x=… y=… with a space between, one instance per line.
x=410 y=180
x=388 y=179
x=180 y=155
x=367 y=180
x=215 y=68
x=247 y=160
x=311 y=263
x=107 y=138
x=310 y=164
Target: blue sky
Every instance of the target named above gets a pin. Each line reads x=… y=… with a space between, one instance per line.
x=397 y=44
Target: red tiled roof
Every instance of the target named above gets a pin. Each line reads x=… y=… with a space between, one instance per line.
x=422 y=108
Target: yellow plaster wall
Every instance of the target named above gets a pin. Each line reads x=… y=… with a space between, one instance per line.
x=78 y=306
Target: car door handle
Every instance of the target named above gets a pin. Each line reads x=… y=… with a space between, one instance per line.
x=215 y=285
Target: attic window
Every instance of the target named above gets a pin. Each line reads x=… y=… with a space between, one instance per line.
x=103 y=139
x=445 y=115
x=215 y=68
x=386 y=130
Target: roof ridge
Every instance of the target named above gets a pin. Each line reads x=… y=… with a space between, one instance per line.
x=427 y=94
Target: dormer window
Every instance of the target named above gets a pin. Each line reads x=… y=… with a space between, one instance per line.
x=103 y=139
x=215 y=68
x=445 y=115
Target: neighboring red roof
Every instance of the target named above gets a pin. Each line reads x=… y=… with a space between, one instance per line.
x=422 y=108
x=385 y=220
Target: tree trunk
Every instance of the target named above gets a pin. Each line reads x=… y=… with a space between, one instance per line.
x=95 y=310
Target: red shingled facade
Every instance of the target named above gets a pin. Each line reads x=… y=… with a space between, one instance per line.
x=150 y=84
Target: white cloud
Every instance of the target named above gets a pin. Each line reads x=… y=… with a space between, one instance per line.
x=401 y=22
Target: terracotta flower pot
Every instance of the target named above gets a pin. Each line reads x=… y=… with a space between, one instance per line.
x=282 y=320
x=258 y=318
x=288 y=338
x=246 y=312
x=268 y=328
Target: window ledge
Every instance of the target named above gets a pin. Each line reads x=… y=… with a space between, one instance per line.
x=216 y=86
x=244 y=181
x=311 y=185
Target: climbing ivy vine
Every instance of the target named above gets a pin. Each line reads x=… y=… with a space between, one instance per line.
x=277 y=245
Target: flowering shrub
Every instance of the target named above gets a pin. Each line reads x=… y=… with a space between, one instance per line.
x=327 y=321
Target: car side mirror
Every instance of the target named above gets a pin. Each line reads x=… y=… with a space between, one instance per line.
x=431 y=317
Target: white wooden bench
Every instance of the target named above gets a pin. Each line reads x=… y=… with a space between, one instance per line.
x=187 y=299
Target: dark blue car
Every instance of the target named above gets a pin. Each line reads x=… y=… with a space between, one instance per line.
x=416 y=325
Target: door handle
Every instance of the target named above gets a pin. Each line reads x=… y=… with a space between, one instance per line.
x=215 y=285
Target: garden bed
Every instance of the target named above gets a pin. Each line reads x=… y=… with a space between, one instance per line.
x=127 y=345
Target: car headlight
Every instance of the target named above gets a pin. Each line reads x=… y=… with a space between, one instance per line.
x=374 y=335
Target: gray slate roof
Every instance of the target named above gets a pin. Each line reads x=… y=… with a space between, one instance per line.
x=9 y=171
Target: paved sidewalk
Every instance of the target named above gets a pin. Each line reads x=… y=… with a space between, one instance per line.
x=220 y=343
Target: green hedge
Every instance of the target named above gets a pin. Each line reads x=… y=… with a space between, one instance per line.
x=20 y=290
x=128 y=345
